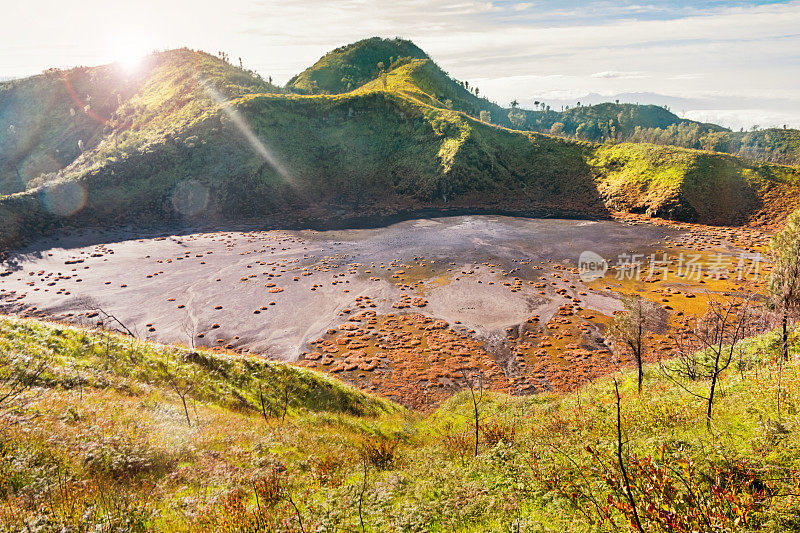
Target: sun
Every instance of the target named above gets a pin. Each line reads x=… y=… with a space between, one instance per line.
x=130 y=55
x=131 y=62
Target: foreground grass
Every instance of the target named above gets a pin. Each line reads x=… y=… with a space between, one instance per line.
x=75 y=359
x=102 y=443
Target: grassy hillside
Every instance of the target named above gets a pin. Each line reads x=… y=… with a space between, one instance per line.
x=773 y=144
x=290 y=157
x=656 y=125
x=99 y=439
x=44 y=118
x=424 y=80
x=66 y=357
x=677 y=183
x=194 y=136
x=394 y=63
x=53 y=118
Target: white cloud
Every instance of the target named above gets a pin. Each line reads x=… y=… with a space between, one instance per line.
x=522 y=6
x=687 y=76
x=616 y=74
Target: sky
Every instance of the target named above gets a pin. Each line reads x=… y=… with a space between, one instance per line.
x=732 y=62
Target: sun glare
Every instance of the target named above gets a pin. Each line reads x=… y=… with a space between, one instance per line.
x=130 y=55
x=131 y=62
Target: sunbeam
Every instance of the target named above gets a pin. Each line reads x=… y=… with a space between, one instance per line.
x=242 y=125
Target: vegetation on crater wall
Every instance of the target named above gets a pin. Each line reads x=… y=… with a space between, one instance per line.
x=405 y=138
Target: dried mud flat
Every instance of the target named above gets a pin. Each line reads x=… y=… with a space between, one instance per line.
x=405 y=310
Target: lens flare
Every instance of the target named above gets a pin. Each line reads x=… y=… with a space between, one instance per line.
x=190 y=197
x=64 y=199
x=81 y=103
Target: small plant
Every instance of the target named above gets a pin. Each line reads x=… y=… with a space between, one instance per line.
x=495 y=431
x=629 y=330
x=460 y=445
x=379 y=450
x=126 y=457
x=709 y=345
x=784 y=282
x=681 y=496
x=17 y=377
x=476 y=391
x=269 y=489
x=328 y=470
x=181 y=380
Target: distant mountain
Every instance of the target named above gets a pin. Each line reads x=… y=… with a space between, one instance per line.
x=191 y=135
x=607 y=121
x=656 y=124
x=677 y=104
x=644 y=98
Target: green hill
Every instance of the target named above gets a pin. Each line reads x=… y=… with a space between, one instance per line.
x=425 y=80
x=773 y=144
x=349 y=67
x=682 y=184
x=44 y=118
x=193 y=136
x=376 y=60
x=54 y=118
x=656 y=125
x=291 y=157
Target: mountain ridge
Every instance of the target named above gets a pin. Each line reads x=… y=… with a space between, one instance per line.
x=193 y=129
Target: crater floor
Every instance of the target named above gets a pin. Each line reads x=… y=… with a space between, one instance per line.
x=409 y=308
